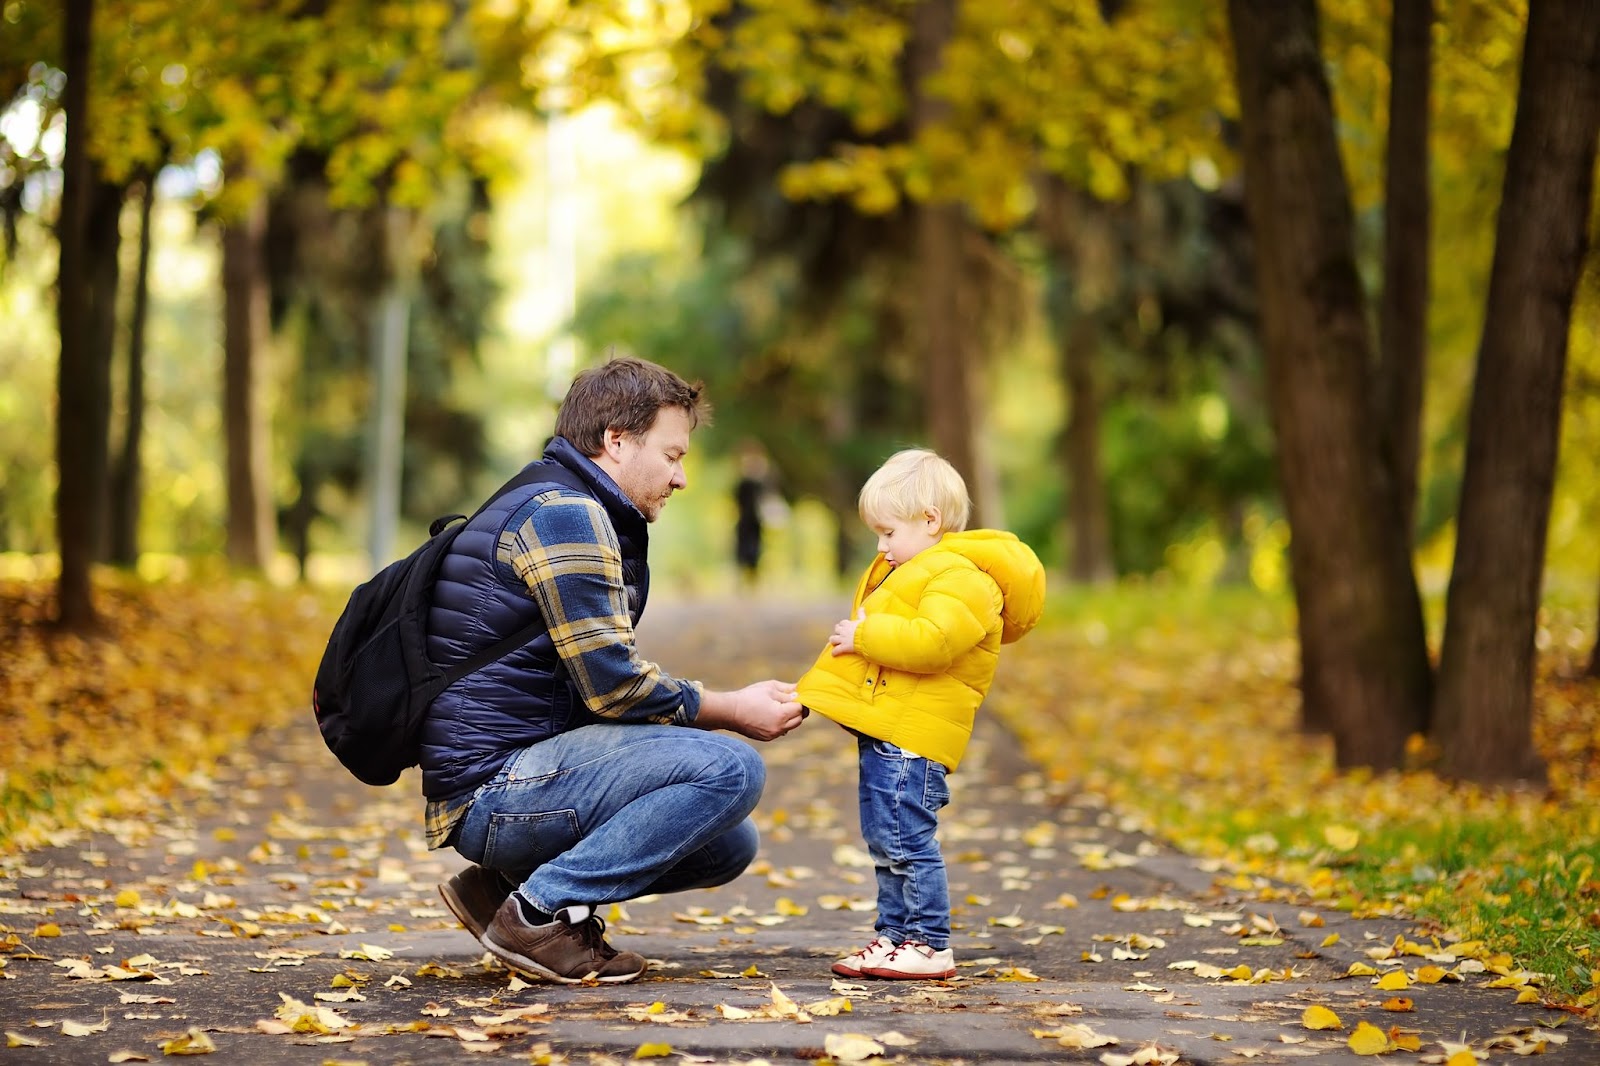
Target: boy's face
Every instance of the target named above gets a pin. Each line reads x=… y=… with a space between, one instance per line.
x=899 y=539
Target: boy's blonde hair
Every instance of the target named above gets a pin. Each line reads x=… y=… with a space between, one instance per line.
x=911 y=482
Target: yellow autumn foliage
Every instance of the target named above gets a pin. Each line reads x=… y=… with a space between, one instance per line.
x=1180 y=710
x=101 y=728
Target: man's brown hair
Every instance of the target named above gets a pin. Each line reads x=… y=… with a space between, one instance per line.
x=624 y=393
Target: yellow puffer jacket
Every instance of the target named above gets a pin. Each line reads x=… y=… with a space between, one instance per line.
x=927 y=650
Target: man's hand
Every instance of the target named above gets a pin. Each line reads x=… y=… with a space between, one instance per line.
x=843 y=637
x=765 y=710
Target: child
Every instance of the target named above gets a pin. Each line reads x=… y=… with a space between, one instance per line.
x=906 y=673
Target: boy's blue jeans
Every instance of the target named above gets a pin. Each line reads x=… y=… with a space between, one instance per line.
x=901 y=795
x=606 y=813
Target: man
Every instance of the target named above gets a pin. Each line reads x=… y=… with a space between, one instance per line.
x=573 y=772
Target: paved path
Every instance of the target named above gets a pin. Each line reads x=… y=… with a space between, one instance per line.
x=284 y=880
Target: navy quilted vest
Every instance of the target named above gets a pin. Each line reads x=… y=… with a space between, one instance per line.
x=490 y=715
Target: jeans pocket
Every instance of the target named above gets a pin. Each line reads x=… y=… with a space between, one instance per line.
x=935 y=790
x=524 y=841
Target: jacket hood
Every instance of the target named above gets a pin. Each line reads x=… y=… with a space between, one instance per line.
x=1014 y=567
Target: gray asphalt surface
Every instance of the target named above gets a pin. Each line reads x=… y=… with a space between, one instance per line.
x=222 y=920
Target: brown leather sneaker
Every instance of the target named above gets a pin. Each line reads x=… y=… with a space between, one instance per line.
x=473 y=896
x=569 y=951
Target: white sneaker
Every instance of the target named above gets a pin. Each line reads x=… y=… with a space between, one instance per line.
x=913 y=961
x=851 y=965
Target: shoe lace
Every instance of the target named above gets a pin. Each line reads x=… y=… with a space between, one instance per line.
x=915 y=946
x=592 y=932
x=877 y=943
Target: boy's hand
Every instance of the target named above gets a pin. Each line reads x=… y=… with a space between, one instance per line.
x=843 y=637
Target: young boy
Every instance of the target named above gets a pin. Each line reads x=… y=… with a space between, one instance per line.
x=905 y=673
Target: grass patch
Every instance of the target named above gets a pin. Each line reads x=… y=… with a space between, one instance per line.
x=1181 y=708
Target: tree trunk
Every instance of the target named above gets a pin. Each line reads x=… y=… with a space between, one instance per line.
x=250 y=513
x=1593 y=669
x=1363 y=652
x=102 y=238
x=954 y=380
x=83 y=387
x=126 y=482
x=1080 y=243
x=1403 y=315
x=300 y=515
x=389 y=339
x=1088 y=509
x=1485 y=699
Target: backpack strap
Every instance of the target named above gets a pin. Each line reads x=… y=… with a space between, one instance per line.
x=545 y=475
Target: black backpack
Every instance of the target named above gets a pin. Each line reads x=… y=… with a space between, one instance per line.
x=375 y=680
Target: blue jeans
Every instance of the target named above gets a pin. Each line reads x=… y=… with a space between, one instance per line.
x=606 y=813
x=901 y=795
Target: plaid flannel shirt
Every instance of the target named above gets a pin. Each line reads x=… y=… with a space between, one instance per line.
x=562 y=546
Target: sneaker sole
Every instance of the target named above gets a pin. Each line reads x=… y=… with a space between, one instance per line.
x=898 y=975
x=848 y=971
x=459 y=909
x=525 y=965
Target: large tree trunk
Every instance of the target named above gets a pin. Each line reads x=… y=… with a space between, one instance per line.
x=103 y=244
x=955 y=383
x=1079 y=241
x=389 y=340
x=1403 y=316
x=1485 y=699
x=83 y=386
x=251 y=532
x=1593 y=669
x=126 y=482
x=1363 y=654
x=1088 y=508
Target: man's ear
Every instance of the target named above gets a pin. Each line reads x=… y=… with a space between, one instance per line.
x=612 y=442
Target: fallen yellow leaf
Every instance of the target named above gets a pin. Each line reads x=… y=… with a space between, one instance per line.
x=851 y=1047
x=194 y=1042
x=652 y=1051
x=1405 y=1039
x=1076 y=1036
x=1341 y=837
x=1394 y=980
x=1017 y=973
x=1320 y=1017
x=1369 y=1040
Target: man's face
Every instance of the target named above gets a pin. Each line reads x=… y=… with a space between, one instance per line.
x=649 y=468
